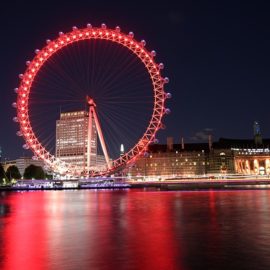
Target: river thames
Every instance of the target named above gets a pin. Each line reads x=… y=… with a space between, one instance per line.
x=135 y=229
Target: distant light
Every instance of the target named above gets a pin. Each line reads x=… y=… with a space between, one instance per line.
x=122 y=148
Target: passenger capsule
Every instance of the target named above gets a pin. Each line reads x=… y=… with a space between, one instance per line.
x=19 y=133
x=153 y=53
x=103 y=26
x=166 y=80
x=37 y=51
x=14 y=105
x=48 y=41
x=28 y=63
x=168 y=95
x=21 y=76
x=74 y=28
x=118 y=29
x=143 y=42
x=60 y=33
x=89 y=25
x=15 y=119
x=161 y=66
x=25 y=146
x=16 y=90
x=167 y=111
x=131 y=34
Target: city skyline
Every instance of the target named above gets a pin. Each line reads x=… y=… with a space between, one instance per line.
x=214 y=54
x=135 y=135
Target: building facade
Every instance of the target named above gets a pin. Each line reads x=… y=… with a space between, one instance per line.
x=172 y=160
x=252 y=161
x=72 y=141
x=220 y=161
x=226 y=156
x=170 y=164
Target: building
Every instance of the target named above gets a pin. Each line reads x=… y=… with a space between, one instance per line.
x=72 y=141
x=220 y=161
x=225 y=156
x=22 y=163
x=101 y=163
x=172 y=160
x=252 y=161
x=249 y=157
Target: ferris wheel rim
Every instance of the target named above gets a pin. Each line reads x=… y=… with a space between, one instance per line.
x=88 y=33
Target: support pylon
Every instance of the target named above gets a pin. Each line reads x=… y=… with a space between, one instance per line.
x=93 y=117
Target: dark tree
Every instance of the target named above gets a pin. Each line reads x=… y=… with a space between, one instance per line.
x=13 y=172
x=2 y=174
x=33 y=171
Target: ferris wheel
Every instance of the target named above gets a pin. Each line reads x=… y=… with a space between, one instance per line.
x=135 y=53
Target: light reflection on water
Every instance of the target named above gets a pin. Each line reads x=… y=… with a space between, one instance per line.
x=135 y=229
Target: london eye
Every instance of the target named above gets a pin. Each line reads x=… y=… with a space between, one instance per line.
x=109 y=76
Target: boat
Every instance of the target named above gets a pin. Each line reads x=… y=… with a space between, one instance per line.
x=103 y=183
x=69 y=184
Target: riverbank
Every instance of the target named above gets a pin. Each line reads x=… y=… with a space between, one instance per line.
x=202 y=184
x=187 y=184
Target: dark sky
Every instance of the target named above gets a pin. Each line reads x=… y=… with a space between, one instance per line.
x=216 y=54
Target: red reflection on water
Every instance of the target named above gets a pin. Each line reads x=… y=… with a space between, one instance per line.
x=24 y=234
x=100 y=230
x=134 y=230
x=152 y=233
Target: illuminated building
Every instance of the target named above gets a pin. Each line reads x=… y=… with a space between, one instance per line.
x=247 y=156
x=226 y=156
x=221 y=161
x=171 y=164
x=172 y=160
x=72 y=139
x=252 y=161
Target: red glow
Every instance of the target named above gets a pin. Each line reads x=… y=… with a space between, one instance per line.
x=21 y=245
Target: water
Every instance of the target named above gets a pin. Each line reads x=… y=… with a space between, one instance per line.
x=135 y=229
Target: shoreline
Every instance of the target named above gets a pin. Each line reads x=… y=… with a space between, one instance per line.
x=206 y=185
x=198 y=184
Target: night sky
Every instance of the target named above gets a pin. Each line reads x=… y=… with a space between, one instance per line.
x=216 y=54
